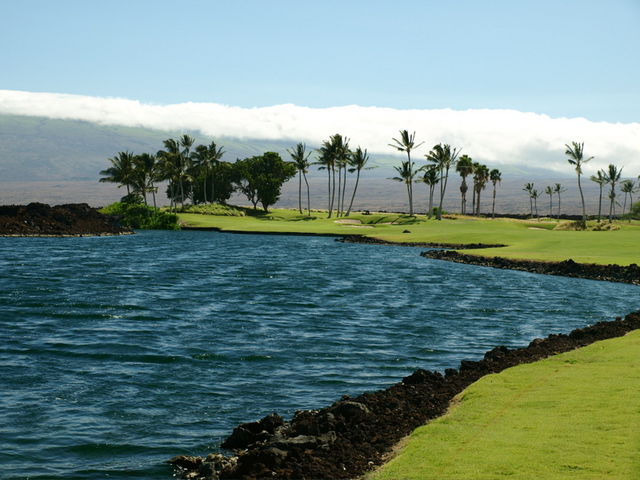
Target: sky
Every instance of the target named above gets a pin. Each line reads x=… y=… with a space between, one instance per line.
x=508 y=80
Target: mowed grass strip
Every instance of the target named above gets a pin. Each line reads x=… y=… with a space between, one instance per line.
x=530 y=240
x=572 y=416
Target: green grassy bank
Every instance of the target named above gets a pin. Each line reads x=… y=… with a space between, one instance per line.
x=572 y=416
x=534 y=240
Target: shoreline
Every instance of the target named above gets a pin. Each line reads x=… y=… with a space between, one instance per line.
x=355 y=435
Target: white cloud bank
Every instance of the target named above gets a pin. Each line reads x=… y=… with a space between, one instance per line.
x=494 y=137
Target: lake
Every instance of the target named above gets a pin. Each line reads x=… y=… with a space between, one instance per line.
x=118 y=353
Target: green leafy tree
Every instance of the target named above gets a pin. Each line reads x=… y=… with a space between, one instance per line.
x=406 y=143
x=575 y=152
x=496 y=177
x=333 y=156
x=261 y=178
x=301 y=161
x=465 y=168
x=601 y=179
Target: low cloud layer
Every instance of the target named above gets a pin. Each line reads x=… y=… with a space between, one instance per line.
x=494 y=137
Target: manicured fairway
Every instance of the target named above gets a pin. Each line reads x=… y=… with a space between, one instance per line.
x=572 y=416
x=524 y=239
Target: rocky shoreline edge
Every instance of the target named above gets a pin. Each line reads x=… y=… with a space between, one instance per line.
x=68 y=220
x=566 y=268
x=354 y=435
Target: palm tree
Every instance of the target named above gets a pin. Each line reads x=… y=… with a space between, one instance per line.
x=613 y=176
x=121 y=171
x=406 y=144
x=207 y=158
x=480 y=179
x=601 y=179
x=431 y=178
x=576 y=158
x=528 y=187
x=496 y=177
x=406 y=174
x=627 y=187
x=558 y=188
x=358 y=162
x=549 y=191
x=464 y=168
x=145 y=174
x=301 y=161
x=535 y=195
x=325 y=162
x=444 y=158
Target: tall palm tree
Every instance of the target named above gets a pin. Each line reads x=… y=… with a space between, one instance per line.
x=406 y=173
x=627 y=187
x=464 y=168
x=480 y=179
x=601 y=179
x=406 y=144
x=528 y=187
x=549 y=191
x=301 y=161
x=535 y=195
x=207 y=158
x=444 y=158
x=431 y=178
x=575 y=152
x=558 y=189
x=358 y=162
x=325 y=160
x=496 y=177
x=613 y=176
x=145 y=174
x=121 y=171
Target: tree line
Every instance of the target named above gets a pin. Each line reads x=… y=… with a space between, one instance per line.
x=198 y=174
x=610 y=176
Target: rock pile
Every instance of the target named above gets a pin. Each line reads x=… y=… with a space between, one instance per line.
x=38 y=219
x=354 y=435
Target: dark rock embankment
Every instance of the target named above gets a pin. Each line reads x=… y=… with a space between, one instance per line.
x=566 y=268
x=74 y=219
x=354 y=435
x=376 y=241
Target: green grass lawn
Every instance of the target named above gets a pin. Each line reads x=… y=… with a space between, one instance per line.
x=572 y=416
x=525 y=239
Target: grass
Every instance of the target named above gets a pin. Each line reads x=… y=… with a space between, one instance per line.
x=525 y=239
x=572 y=416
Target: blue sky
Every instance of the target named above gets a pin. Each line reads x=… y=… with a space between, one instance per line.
x=573 y=58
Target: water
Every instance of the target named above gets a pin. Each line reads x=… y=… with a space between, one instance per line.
x=117 y=353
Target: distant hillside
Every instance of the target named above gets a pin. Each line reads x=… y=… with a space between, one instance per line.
x=58 y=161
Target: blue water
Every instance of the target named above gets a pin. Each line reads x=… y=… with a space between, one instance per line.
x=117 y=353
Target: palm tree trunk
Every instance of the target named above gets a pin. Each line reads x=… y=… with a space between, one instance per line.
x=584 y=210
x=493 y=207
x=300 y=191
x=354 y=192
x=308 y=195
